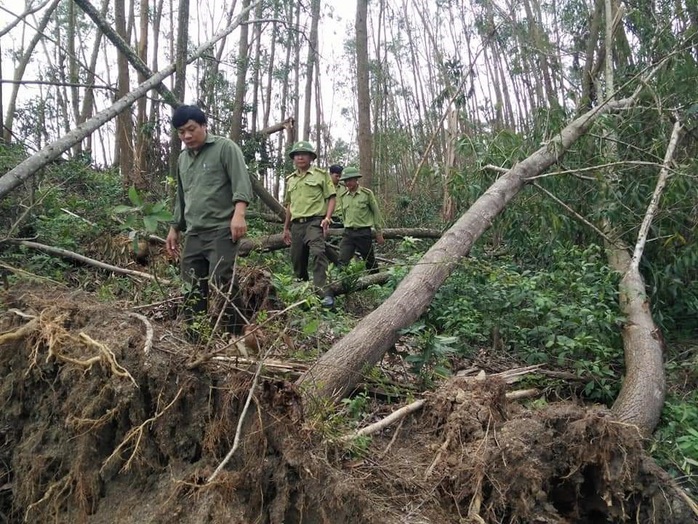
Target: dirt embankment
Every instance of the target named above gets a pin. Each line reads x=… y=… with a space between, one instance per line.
x=97 y=427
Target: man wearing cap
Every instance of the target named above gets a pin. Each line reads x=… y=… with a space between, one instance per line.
x=213 y=190
x=333 y=242
x=310 y=200
x=360 y=213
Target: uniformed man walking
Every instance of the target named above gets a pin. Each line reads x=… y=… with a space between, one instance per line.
x=332 y=243
x=213 y=190
x=360 y=213
x=309 y=200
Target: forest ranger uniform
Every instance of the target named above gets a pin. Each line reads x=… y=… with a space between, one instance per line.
x=307 y=196
x=332 y=243
x=360 y=212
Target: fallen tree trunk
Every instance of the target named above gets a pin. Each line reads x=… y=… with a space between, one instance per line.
x=276 y=241
x=266 y=197
x=342 y=288
x=338 y=370
x=641 y=397
x=125 y=49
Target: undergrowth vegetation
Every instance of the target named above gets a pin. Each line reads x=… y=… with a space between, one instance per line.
x=520 y=294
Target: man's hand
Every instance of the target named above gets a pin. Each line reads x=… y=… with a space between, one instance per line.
x=287 y=236
x=379 y=239
x=172 y=243
x=325 y=225
x=238 y=227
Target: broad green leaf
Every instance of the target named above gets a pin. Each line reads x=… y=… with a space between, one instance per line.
x=151 y=223
x=134 y=197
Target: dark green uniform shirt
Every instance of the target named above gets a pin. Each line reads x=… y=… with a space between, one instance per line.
x=210 y=182
x=308 y=193
x=360 y=209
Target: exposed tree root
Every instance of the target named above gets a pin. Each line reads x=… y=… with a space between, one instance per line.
x=148 y=331
x=137 y=434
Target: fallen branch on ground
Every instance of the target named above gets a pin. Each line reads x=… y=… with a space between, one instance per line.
x=64 y=253
x=416 y=405
x=387 y=421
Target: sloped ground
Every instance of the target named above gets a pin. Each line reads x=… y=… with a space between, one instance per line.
x=96 y=429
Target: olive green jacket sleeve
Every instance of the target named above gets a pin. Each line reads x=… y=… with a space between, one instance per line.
x=234 y=163
x=377 y=216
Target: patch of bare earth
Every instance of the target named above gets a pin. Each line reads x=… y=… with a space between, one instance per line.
x=98 y=427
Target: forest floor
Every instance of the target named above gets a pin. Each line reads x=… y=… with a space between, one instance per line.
x=100 y=425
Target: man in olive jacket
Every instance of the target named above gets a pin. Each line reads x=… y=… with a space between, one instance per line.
x=360 y=213
x=309 y=200
x=213 y=190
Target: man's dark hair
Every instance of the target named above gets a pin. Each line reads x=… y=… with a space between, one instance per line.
x=183 y=114
x=336 y=169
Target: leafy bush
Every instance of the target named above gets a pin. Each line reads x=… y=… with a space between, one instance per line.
x=565 y=316
x=675 y=443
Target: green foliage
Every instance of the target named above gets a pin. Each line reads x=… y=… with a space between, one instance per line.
x=356 y=406
x=675 y=442
x=565 y=316
x=142 y=215
x=68 y=206
x=432 y=360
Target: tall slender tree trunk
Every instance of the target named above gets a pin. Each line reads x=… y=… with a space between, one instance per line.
x=88 y=100
x=241 y=67
x=143 y=134
x=180 y=75
x=256 y=68
x=311 y=63
x=73 y=73
x=363 y=91
x=124 y=122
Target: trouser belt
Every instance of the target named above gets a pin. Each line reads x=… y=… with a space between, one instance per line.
x=303 y=220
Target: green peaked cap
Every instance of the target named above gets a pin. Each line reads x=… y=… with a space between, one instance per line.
x=350 y=172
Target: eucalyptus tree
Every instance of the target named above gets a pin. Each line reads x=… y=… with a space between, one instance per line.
x=181 y=52
x=312 y=62
x=363 y=92
x=241 y=70
x=26 y=169
x=24 y=58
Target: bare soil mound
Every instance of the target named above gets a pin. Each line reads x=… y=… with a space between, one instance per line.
x=98 y=426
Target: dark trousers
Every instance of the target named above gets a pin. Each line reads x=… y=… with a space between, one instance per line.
x=331 y=243
x=307 y=241
x=361 y=240
x=208 y=258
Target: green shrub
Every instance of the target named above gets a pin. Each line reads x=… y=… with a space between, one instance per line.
x=565 y=316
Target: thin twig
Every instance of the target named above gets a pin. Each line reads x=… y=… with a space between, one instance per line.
x=208 y=356
x=573 y=212
x=31 y=275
